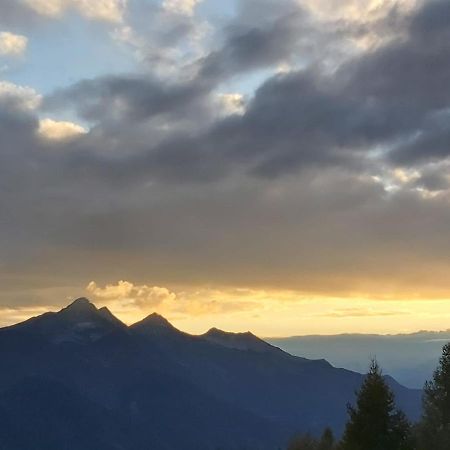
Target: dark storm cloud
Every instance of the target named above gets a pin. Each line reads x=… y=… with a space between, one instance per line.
x=392 y=96
x=432 y=21
x=129 y=98
x=296 y=121
x=387 y=97
x=430 y=144
x=249 y=48
x=17 y=144
x=289 y=193
x=411 y=73
x=409 y=80
x=291 y=122
x=434 y=180
x=268 y=33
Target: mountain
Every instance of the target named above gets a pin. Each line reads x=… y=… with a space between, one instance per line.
x=81 y=321
x=80 y=379
x=409 y=358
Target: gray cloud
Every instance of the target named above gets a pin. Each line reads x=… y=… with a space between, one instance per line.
x=295 y=192
x=126 y=98
x=294 y=120
x=251 y=47
x=16 y=13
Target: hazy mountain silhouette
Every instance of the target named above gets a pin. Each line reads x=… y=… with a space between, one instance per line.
x=409 y=358
x=80 y=379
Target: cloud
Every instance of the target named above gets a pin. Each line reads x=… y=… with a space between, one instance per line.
x=107 y=10
x=12 y=44
x=50 y=8
x=359 y=11
x=129 y=98
x=434 y=178
x=59 y=130
x=165 y=37
x=369 y=24
x=141 y=296
x=125 y=296
x=362 y=312
x=274 y=35
x=232 y=103
x=22 y=97
x=299 y=119
x=332 y=179
x=185 y=7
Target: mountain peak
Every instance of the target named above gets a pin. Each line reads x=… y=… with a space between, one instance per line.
x=157 y=319
x=80 y=304
x=81 y=301
x=154 y=324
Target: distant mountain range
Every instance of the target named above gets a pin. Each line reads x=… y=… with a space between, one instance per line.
x=409 y=358
x=80 y=379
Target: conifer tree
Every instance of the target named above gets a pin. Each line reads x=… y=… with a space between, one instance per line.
x=375 y=423
x=326 y=441
x=305 y=442
x=434 y=429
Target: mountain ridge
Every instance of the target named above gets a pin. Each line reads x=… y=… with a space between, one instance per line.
x=165 y=389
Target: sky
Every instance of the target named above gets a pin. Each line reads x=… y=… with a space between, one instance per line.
x=280 y=166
